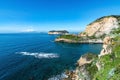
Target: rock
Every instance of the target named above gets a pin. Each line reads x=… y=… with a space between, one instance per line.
x=71 y=75
x=98 y=65
x=84 y=60
x=107 y=40
x=107 y=49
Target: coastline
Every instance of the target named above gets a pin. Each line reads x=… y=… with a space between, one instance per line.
x=93 y=41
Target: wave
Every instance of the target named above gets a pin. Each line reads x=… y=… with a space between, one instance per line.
x=59 y=77
x=40 y=55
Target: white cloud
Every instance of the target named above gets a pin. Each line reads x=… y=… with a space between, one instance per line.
x=29 y=30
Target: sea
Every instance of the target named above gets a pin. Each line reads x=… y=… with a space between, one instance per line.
x=35 y=56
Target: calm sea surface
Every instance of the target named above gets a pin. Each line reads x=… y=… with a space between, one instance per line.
x=37 y=56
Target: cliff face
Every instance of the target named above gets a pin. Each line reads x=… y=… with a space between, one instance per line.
x=101 y=26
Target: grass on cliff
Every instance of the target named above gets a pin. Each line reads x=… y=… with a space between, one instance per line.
x=115 y=31
x=90 y=68
x=111 y=63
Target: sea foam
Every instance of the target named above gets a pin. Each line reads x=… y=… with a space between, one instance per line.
x=39 y=55
x=59 y=77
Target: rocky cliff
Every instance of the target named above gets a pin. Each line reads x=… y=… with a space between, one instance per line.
x=104 y=67
x=102 y=26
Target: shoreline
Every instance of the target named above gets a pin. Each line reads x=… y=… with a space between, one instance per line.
x=91 y=41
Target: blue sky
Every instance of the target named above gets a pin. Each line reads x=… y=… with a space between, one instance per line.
x=45 y=15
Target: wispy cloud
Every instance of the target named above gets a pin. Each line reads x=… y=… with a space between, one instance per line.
x=29 y=30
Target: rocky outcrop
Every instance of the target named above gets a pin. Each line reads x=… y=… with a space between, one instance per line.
x=84 y=67
x=83 y=61
x=101 y=26
x=58 y=32
x=107 y=46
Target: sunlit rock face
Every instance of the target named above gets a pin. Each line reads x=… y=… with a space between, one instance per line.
x=101 y=26
x=107 y=49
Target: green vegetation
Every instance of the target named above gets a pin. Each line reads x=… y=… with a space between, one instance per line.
x=84 y=33
x=111 y=64
x=77 y=38
x=89 y=68
x=72 y=37
x=102 y=36
x=92 y=70
x=116 y=31
x=92 y=37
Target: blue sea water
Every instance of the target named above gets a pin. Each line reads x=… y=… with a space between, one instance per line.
x=37 y=57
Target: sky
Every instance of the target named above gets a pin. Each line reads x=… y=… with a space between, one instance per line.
x=45 y=15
